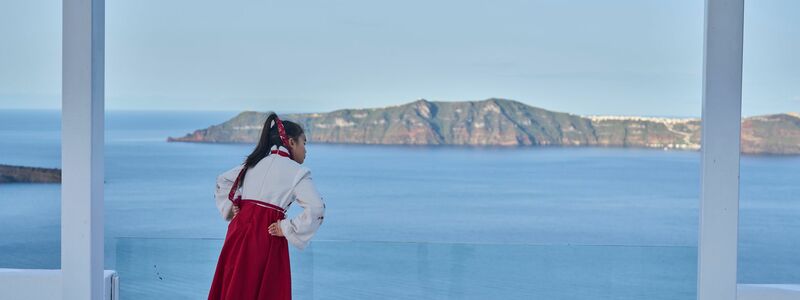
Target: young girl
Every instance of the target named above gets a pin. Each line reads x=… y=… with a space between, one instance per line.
x=254 y=263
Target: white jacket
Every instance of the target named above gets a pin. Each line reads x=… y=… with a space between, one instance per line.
x=279 y=181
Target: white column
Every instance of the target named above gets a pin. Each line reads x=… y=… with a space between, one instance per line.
x=82 y=149
x=722 y=106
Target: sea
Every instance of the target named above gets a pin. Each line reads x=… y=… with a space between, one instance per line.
x=408 y=222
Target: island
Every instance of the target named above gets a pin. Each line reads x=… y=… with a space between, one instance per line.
x=19 y=174
x=504 y=122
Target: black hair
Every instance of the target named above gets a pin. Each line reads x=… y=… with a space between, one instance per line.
x=269 y=138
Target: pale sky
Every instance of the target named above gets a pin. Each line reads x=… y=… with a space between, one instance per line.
x=631 y=57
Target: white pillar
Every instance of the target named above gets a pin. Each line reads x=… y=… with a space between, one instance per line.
x=82 y=149
x=722 y=106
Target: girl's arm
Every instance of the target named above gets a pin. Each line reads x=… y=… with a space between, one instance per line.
x=301 y=228
x=224 y=184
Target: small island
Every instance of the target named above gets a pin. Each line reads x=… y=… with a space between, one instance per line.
x=504 y=122
x=19 y=174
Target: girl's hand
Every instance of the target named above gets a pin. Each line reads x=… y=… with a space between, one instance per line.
x=235 y=210
x=275 y=229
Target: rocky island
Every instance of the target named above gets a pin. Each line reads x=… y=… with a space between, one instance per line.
x=17 y=174
x=502 y=122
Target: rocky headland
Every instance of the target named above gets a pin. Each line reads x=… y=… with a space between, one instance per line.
x=18 y=174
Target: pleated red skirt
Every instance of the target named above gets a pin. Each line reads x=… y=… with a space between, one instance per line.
x=253 y=264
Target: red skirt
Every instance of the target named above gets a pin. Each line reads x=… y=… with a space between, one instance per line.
x=253 y=264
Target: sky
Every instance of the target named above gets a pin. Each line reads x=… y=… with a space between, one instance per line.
x=613 y=57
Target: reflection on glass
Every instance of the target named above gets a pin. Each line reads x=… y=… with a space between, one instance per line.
x=160 y=268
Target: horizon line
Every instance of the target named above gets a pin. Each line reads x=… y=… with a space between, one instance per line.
x=156 y=110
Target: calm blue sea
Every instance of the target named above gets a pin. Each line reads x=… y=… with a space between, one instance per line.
x=478 y=202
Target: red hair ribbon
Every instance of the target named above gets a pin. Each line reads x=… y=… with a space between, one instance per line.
x=282 y=134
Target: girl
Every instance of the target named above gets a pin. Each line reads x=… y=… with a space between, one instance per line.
x=254 y=263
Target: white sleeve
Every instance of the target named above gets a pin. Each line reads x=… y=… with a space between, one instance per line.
x=301 y=228
x=224 y=185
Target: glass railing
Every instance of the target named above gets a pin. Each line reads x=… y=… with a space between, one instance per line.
x=175 y=268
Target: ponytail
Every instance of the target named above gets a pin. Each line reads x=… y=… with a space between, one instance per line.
x=270 y=137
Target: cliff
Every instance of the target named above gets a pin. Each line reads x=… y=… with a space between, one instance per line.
x=500 y=122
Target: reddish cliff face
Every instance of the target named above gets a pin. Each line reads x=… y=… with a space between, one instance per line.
x=498 y=122
x=773 y=134
x=197 y=136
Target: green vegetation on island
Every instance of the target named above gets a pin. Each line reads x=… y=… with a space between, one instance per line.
x=18 y=174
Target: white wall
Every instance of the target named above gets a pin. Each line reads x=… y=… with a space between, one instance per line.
x=36 y=284
x=768 y=292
